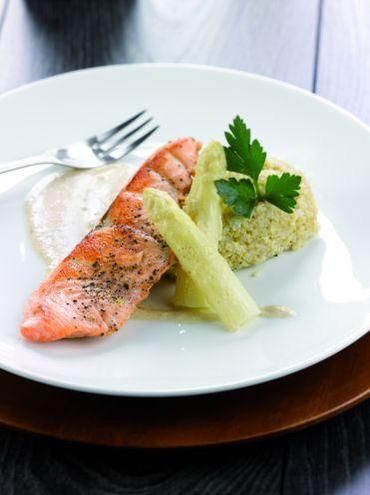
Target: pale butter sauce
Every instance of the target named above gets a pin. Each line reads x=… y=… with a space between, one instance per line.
x=276 y=311
x=63 y=207
x=194 y=316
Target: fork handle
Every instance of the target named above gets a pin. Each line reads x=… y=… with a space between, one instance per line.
x=28 y=162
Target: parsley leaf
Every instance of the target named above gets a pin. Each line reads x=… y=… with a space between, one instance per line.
x=248 y=158
x=241 y=155
x=240 y=195
x=281 y=191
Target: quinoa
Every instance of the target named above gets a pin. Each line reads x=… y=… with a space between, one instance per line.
x=270 y=231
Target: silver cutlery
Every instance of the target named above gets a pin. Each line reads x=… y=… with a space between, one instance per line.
x=101 y=149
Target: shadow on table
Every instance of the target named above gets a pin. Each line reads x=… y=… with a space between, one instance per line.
x=74 y=34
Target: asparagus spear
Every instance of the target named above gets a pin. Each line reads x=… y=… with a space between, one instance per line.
x=203 y=205
x=200 y=260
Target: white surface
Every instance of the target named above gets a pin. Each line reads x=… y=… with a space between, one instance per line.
x=327 y=283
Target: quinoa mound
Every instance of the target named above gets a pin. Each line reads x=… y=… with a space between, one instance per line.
x=270 y=231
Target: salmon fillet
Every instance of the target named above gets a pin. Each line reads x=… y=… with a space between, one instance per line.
x=98 y=286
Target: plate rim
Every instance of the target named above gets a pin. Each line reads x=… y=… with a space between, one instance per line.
x=200 y=67
x=209 y=389
x=122 y=428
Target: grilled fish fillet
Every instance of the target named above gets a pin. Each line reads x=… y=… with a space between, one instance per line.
x=98 y=286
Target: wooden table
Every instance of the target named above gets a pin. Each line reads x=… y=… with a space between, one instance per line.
x=321 y=45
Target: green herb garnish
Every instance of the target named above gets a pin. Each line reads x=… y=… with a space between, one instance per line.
x=240 y=195
x=282 y=190
x=248 y=158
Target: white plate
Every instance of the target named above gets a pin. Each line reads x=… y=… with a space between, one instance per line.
x=327 y=283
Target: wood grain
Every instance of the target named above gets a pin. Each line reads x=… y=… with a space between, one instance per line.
x=343 y=61
x=331 y=458
x=271 y=37
x=3 y=6
x=34 y=465
x=267 y=37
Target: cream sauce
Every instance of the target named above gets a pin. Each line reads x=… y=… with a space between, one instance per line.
x=63 y=207
x=276 y=311
x=194 y=316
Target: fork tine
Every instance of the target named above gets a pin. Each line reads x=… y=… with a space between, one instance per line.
x=131 y=146
x=127 y=135
x=107 y=134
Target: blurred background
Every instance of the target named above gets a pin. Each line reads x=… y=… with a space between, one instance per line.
x=321 y=45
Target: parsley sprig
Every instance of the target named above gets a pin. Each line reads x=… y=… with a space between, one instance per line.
x=248 y=158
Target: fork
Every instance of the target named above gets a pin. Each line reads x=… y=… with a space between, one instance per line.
x=101 y=149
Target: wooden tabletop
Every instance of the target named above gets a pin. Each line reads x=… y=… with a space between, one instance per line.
x=321 y=45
